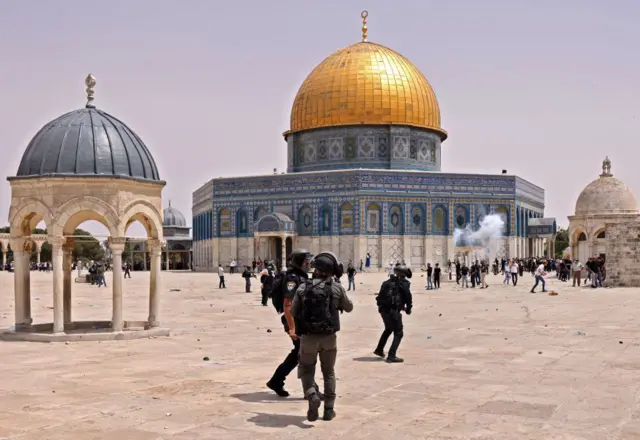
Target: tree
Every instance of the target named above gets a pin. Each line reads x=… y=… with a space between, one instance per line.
x=87 y=247
x=562 y=242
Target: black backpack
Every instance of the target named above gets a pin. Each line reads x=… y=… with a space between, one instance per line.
x=317 y=310
x=388 y=296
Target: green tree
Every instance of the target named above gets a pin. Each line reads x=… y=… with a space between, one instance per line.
x=87 y=247
x=562 y=242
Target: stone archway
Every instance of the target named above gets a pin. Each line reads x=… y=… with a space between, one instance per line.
x=84 y=165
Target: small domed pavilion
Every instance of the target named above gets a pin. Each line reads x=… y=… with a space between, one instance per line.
x=606 y=200
x=84 y=165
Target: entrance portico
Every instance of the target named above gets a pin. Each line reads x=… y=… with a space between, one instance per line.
x=273 y=239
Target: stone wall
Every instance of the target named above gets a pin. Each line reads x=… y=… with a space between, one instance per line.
x=623 y=254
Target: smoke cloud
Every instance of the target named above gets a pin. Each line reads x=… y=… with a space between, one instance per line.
x=490 y=228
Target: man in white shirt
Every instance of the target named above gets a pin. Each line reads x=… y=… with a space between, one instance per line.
x=577 y=267
x=514 y=271
x=540 y=273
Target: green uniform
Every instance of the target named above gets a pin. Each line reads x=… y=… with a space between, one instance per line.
x=322 y=345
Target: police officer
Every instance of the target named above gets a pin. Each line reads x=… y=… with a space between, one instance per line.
x=394 y=296
x=316 y=307
x=284 y=289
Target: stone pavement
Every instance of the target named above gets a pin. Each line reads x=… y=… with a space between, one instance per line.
x=498 y=364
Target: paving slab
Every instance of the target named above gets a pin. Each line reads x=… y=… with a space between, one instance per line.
x=496 y=363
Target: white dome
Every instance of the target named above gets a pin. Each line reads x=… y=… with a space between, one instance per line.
x=606 y=196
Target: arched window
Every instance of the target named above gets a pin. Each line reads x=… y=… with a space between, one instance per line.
x=305 y=221
x=325 y=219
x=396 y=220
x=243 y=222
x=224 y=216
x=503 y=212
x=373 y=218
x=460 y=217
x=346 y=217
x=417 y=220
x=440 y=224
x=601 y=234
x=260 y=212
x=582 y=237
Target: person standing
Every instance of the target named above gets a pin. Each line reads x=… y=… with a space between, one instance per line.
x=484 y=270
x=351 y=275
x=577 y=272
x=513 y=268
x=436 y=276
x=247 y=275
x=221 y=276
x=316 y=307
x=394 y=296
x=266 y=278
x=429 y=277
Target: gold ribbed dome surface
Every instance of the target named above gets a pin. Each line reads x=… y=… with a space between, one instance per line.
x=365 y=83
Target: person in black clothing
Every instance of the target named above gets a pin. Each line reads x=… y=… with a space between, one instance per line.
x=351 y=276
x=266 y=279
x=285 y=288
x=394 y=296
x=429 y=277
x=474 y=270
x=436 y=276
x=458 y=273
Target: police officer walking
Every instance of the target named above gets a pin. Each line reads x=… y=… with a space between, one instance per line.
x=284 y=289
x=317 y=306
x=394 y=296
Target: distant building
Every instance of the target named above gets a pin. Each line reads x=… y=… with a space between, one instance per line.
x=177 y=253
x=363 y=178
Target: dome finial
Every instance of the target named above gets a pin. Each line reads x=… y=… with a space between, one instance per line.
x=169 y=203
x=90 y=82
x=364 y=16
x=606 y=167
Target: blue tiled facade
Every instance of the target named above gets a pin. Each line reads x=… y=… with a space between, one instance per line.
x=368 y=202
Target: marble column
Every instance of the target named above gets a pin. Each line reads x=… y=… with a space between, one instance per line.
x=57 y=257
x=38 y=251
x=155 y=248
x=22 y=284
x=284 y=251
x=117 y=245
x=4 y=259
x=67 y=257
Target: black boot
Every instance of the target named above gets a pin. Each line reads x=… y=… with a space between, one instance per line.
x=395 y=360
x=329 y=414
x=379 y=352
x=278 y=389
x=314 y=405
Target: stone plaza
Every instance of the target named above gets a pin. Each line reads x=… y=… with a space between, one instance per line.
x=499 y=364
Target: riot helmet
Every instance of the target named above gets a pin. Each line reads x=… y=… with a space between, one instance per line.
x=401 y=270
x=328 y=263
x=300 y=259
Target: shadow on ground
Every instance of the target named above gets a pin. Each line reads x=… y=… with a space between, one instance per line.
x=279 y=421
x=368 y=359
x=262 y=397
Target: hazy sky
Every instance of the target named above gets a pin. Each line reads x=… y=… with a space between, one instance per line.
x=543 y=89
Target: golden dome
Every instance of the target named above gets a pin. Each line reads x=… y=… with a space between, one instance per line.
x=365 y=83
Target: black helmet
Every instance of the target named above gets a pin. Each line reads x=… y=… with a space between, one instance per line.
x=402 y=270
x=297 y=256
x=328 y=263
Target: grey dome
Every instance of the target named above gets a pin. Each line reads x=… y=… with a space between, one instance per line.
x=87 y=142
x=173 y=217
